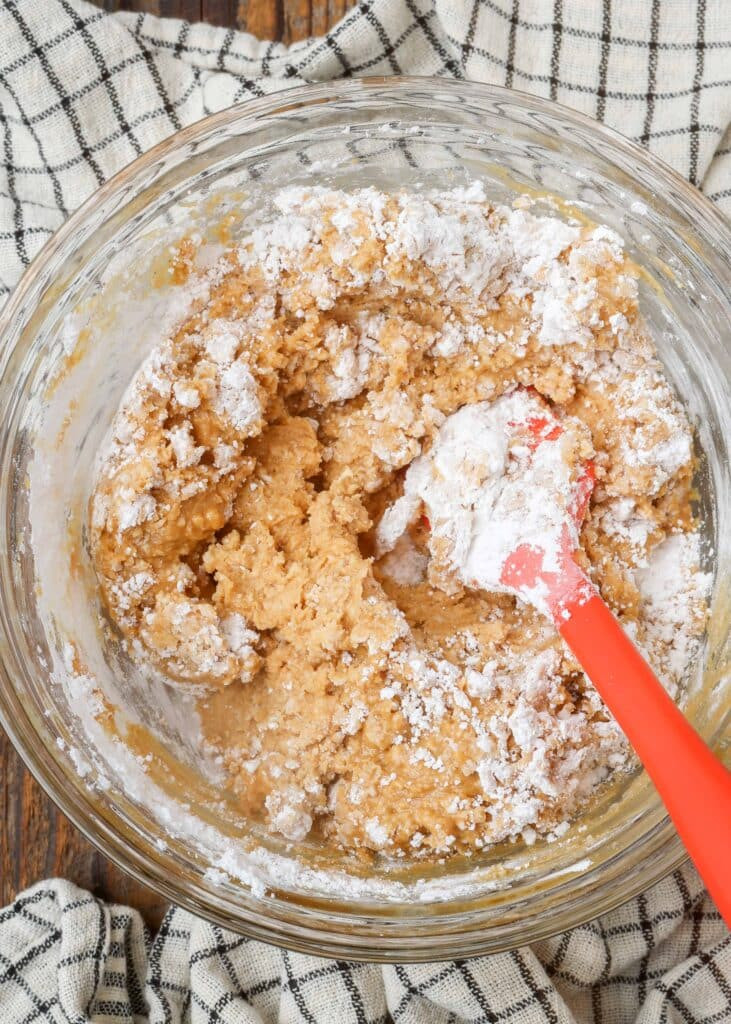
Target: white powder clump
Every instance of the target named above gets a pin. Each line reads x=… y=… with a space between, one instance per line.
x=130 y=591
x=556 y=309
x=241 y=640
x=376 y=832
x=450 y=233
x=654 y=438
x=100 y=508
x=485 y=493
x=557 y=266
x=240 y=637
x=224 y=457
x=186 y=395
x=532 y=755
x=618 y=323
x=275 y=246
x=484 y=683
x=353 y=718
x=674 y=592
x=621 y=518
x=135 y=510
x=222 y=340
x=405 y=564
x=425 y=687
x=287 y=814
x=187 y=453
x=451 y=339
x=350 y=362
x=536 y=242
x=198 y=646
x=237 y=399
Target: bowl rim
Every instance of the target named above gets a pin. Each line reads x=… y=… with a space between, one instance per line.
x=101 y=833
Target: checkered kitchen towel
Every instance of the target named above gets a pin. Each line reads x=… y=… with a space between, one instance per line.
x=83 y=93
x=66 y=957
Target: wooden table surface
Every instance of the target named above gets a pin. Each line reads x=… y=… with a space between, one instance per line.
x=36 y=840
x=286 y=20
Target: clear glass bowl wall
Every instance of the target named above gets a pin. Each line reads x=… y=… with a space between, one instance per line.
x=390 y=133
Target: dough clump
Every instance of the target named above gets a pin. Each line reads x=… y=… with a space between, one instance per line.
x=357 y=693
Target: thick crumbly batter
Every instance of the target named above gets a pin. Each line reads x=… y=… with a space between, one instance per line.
x=355 y=692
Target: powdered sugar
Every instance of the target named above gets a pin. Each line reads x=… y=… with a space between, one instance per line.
x=531 y=751
x=135 y=510
x=186 y=396
x=404 y=564
x=237 y=397
x=376 y=832
x=288 y=816
x=486 y=491
x=240 y=638
x=221 y=341
x=351 y=359
x=129 y=591
x=537 y=242
x=475 y=252
x=450 y=234
x=621 y=518
x=199 y=646
x=187 y=453
x=674 y=591
x=652 y=427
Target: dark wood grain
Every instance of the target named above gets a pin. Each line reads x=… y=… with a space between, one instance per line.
x=283 y=20
x=36 y=840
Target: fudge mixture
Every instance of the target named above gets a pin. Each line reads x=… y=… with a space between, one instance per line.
x=285 y=518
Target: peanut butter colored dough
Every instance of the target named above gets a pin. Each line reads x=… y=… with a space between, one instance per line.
x=233 y=524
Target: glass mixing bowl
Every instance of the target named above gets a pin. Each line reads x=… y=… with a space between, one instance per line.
x=72 y=335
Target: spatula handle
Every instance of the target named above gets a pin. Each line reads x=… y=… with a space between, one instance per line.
x=694 y=786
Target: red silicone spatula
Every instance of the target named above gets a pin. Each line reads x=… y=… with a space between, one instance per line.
x=694 y=786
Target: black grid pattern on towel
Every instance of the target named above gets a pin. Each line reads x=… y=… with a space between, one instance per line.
x=65 y=956
x=83 y=93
